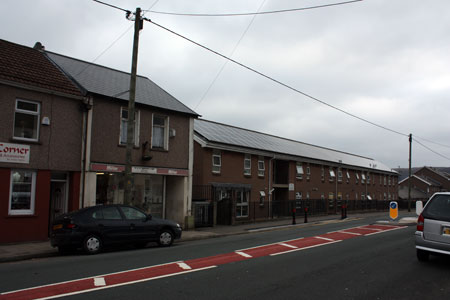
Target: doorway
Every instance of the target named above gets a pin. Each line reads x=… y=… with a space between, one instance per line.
x=58 y=196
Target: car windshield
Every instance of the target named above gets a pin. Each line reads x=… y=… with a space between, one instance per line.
x=438 y=208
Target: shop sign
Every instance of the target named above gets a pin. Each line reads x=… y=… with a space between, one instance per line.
x=107 y=168
x=138 y=170
x=14 y=153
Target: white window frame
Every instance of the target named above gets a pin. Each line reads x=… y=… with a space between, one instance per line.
x=332 y=174
x=216 y=168
x=322 y=173
x=261 y=167
x=166 y=131
x=363 y=178
x=247 y=165
x=299 y=169
x=357 y=177
x=29 y=211
x=244 y=203
x=348 y=177
x=123 y=139
x=27 y=112
x=339 y=175
x=262 y=197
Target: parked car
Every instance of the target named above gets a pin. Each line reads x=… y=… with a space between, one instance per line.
x=433 y=227
x=94 y=227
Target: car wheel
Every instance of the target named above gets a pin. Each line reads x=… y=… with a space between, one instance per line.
x=422 y=255
x=92 y=244
x=165 y=238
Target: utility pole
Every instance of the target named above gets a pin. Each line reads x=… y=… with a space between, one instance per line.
x=138 y=25
x=409 y=178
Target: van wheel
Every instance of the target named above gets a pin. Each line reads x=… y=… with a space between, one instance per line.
x=92 y=244
x=423 y=255
x=165 y=238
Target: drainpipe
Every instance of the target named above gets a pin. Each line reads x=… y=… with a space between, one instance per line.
x=270 y=187
x=87 y=114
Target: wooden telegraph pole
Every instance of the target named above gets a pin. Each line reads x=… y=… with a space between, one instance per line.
x=138 y=25
x=409 y=178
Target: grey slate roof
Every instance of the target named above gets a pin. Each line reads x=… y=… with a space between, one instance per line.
x=214 y=134
x=116 y=84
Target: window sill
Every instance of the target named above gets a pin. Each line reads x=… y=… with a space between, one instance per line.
x=124 y=146
x=24 y=141
x=18 y=216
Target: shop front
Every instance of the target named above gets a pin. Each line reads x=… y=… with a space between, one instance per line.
x=157 y=191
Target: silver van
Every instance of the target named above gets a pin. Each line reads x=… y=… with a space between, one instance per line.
x=433 y=227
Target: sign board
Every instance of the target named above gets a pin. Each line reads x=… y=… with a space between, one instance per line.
x=14 y=153
x=393 y=210
x=419 y=207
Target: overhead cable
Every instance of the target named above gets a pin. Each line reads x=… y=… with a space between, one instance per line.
x=277 y=81
x=435 y=152
x=252 y=13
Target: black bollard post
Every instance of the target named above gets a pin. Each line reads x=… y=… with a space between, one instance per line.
x=306 y=215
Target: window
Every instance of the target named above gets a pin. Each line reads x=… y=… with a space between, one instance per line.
x=322 y=196
x=299 y=169
x=262 y=197
x=368 y=178
x=26 y=120
x=133 y=214
x=124 y=127
x=160 y=134
x=322 y=173
x=22 y=192
x=261 y=167
x=308 y=172
x=339 y=175
x=348 y=177
x=242 y=204
x=330 y=196
x=216 y=162
x=298 y=196
x=363 y=197
x=357 y=178
x=247 y=165
x=385 y=180
x=389 y=180
x=332 y=175
x=111 y=213
x=307 y=195
x=363 y=178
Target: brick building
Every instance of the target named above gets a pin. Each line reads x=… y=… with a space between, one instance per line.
x=63 y=142
x=248 y=175
x=424 y=183
x=40 y=143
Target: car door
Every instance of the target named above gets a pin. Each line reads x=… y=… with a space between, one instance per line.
x=437 y=219
x=140 y=227
x=111 y=225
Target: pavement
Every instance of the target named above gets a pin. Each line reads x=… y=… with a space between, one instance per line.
x=43 y=249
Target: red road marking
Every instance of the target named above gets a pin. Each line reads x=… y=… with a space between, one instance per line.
x=154 y=272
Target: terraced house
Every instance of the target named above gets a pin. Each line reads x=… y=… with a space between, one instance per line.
x=242 y=175
x=62 y=143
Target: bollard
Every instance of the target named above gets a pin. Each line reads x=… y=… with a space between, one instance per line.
x=343 y=212
x=306 y=215
x=293 y=216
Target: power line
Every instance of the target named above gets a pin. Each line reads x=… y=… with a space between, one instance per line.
x=435 y=152
x=436 y=143
x=113 y=6
x=231 y=54
x=277 y=81
x=251 y=13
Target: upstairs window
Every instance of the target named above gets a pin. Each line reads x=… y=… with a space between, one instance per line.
x=339 y=175
x=348 y=177
x=248 y=165
x=26 y=120
x=160 y=132
x=322 y=173
x=124 y=127
x=357 y=178
x=261 y=167
x=216 y=162
x=363 y=178
x=299 y=169
x=332 y=175
x=308 y=172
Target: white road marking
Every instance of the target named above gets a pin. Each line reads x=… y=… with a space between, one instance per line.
x=184 y=266
x=287 y=245
x=99 y=281
x=354 y=233
x=326 y=239
x=243 y=254
x=304 y=248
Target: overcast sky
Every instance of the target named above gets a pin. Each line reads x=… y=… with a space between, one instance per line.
x=386 y=61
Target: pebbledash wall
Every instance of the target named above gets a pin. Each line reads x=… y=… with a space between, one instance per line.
x=40 y=175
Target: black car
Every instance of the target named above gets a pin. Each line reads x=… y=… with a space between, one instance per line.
x=94 y=227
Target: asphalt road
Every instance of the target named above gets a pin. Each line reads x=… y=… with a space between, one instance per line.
x=369 y=263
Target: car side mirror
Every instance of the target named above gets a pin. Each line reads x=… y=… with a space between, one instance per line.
x=149 y=217
x=419 y=207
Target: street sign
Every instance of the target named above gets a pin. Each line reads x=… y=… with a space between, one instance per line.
x=393 y=210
